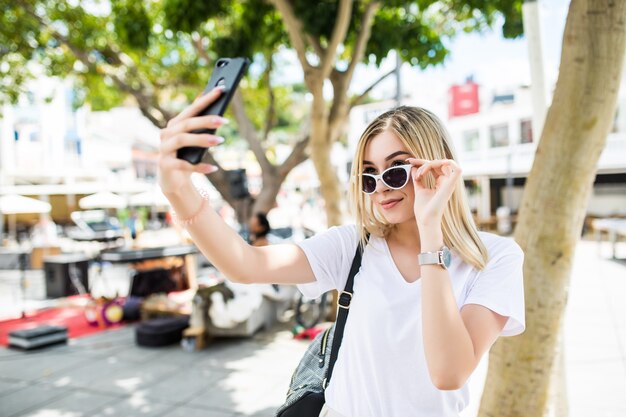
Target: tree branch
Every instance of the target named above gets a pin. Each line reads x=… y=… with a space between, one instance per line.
x=294 y=30
x=148 y=107
x=247 y=130
x=362 y=38
x=295 y=158
x=319 y=49
x=271 y=109
x=219 y=180
x=341 y=80
x=199 y=47
x=339 y=109
x=298 y=153
x=359 y=99
x=159 y=122
x=339 y=35
x=147 y=103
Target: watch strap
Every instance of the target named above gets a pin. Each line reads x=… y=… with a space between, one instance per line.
x=430 y=258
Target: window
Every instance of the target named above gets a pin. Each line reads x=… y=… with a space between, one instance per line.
x=27 y=131
x=72 y=142
x=499 y=135
x=471 y=140
x=526 y=131
x=30 y=98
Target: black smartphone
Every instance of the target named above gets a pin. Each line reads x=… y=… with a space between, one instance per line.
x=227 y=73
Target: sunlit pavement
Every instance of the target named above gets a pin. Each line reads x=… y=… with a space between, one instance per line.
x=108 y=375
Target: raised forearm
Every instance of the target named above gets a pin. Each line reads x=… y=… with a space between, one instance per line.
x=222 y=246
x=447 y=344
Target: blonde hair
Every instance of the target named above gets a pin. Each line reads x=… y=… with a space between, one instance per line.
x=425 y=136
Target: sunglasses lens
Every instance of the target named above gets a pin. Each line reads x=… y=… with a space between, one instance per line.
x=369 y=184
x=395 y=177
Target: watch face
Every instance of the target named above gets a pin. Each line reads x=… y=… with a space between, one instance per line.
x=446 y=256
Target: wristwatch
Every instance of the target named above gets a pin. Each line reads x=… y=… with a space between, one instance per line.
x=442 y=257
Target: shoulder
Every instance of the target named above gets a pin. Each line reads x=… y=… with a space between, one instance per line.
x=500 y=246
x=344 y=233
x=330 y=254
x=346 y=230
x=344 y=236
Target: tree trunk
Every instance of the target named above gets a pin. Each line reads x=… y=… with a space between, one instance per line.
x=242 y=210
x=323 y=125
x=321 y=147
x=329 y=182
x=267 y=197
x=555 y=200
x=558 y=384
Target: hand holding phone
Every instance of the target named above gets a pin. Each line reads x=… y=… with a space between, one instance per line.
x=227 y=74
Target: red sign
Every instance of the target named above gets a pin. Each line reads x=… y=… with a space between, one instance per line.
x=463 y=100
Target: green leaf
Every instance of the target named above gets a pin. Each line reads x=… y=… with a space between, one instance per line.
x=132 y=23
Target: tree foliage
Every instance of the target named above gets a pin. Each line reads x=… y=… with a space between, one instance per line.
x=160 y=53
x=120 y=49
x=112 y=50
x=132 y=23
x=146 y=47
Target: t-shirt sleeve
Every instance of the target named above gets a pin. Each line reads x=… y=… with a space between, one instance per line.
x=500 y=286
x=330 y=255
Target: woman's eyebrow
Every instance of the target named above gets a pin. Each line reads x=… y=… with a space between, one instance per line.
x=393 y=155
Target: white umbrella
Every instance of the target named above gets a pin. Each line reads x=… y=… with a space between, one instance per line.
x=17 y=204
x=13 y=204
x=102 y=200
x=150 y=198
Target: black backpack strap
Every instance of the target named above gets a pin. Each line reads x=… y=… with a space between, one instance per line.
x=343 y=302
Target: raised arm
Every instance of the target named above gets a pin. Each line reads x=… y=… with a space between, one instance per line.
x=223 y=247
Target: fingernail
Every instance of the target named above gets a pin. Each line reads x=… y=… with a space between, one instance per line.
x=218 y=140
x=222 y=120
x=211 y=169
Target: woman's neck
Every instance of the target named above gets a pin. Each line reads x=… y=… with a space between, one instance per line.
x=406 y=234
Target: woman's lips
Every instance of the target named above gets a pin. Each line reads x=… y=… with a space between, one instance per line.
x=389 y=204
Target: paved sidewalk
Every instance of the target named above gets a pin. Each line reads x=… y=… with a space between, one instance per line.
x=595 y=333
x=107 y=375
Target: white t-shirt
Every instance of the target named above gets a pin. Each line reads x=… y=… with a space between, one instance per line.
x=381 y=369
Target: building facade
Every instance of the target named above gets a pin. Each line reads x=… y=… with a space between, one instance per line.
x=495 y=142
x=53 y=152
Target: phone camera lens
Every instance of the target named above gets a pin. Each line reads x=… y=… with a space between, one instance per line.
x=222 y=63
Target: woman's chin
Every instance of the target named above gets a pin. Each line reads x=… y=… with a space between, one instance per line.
x=399 y=218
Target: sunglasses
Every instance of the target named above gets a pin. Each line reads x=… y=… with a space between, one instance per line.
x=394 y=178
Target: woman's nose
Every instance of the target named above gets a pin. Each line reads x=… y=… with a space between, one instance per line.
x=380 y=186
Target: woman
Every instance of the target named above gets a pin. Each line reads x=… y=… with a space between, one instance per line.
x=422 y=315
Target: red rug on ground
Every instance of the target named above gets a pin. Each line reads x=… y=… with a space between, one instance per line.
x=71 y=317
